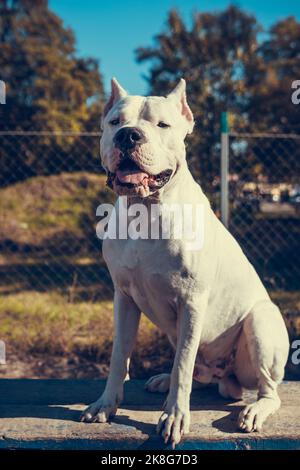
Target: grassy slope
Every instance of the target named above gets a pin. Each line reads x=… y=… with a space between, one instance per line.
x=34 y=210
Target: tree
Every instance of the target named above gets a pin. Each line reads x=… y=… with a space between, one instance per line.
x=48 y=87
x=270 y=76
x=227 y=68
x=212 y=55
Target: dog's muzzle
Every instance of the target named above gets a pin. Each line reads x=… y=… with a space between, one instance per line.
x=129 y=175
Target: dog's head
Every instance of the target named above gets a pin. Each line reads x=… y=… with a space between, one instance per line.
x=142 y=144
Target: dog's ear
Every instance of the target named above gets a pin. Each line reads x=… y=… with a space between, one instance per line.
x=117 y=92
x=179 y=94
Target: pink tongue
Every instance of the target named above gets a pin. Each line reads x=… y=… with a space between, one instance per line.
x=131 y=177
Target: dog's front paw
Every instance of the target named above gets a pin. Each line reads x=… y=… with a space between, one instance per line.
x=252 y=417
x=101 y=410
x=173 y=424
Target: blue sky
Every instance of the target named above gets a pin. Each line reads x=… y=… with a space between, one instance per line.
x=110 y=30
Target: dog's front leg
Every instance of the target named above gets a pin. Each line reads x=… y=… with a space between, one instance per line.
x=175 y=420
x=126 y=319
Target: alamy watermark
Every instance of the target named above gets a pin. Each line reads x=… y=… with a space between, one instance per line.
x=296 y=94
x=2 y=92
x=2 y=353
x=295 y=356
x=154 y=221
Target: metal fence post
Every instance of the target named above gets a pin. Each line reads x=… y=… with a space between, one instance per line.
x=224 y=168
x=2 y=92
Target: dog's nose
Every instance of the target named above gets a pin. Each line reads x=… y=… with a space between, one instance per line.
x=128 y=137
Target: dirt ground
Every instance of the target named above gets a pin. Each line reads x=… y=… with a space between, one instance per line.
x=43 y=366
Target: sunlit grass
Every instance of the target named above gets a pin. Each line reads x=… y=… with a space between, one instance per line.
x=47 y=323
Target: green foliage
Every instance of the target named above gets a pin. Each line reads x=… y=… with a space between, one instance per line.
x=269 y=76
x=48 y=89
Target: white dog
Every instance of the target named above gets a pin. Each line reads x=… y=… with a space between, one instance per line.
x=210 y=302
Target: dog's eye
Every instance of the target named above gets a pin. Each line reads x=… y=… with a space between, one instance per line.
x=115 y=122
x=163 y=124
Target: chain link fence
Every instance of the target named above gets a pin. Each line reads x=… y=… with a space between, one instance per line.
x=263 y=204
x=27 y=154
x=50 y=187
x=52 y=183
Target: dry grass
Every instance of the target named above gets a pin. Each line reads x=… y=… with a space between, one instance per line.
x=50 y=329
x=47 y=327
x=48 y=323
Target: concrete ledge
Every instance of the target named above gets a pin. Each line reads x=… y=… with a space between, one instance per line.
x=44 y=414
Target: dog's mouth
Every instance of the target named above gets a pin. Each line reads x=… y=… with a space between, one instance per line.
x=129 y=175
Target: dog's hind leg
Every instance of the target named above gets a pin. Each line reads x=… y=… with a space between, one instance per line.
x=161 y=382
x=261 y=357
x=158 y=383
x=229 y=387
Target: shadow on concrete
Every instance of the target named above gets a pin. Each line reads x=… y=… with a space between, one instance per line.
x=45 y=414
x=145 y=428
x=41 y=412
x=228 y=424
x=52 y=399
x=75 y=391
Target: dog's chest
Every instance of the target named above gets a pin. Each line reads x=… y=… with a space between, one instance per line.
x=157 y=263
x=152 y=272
